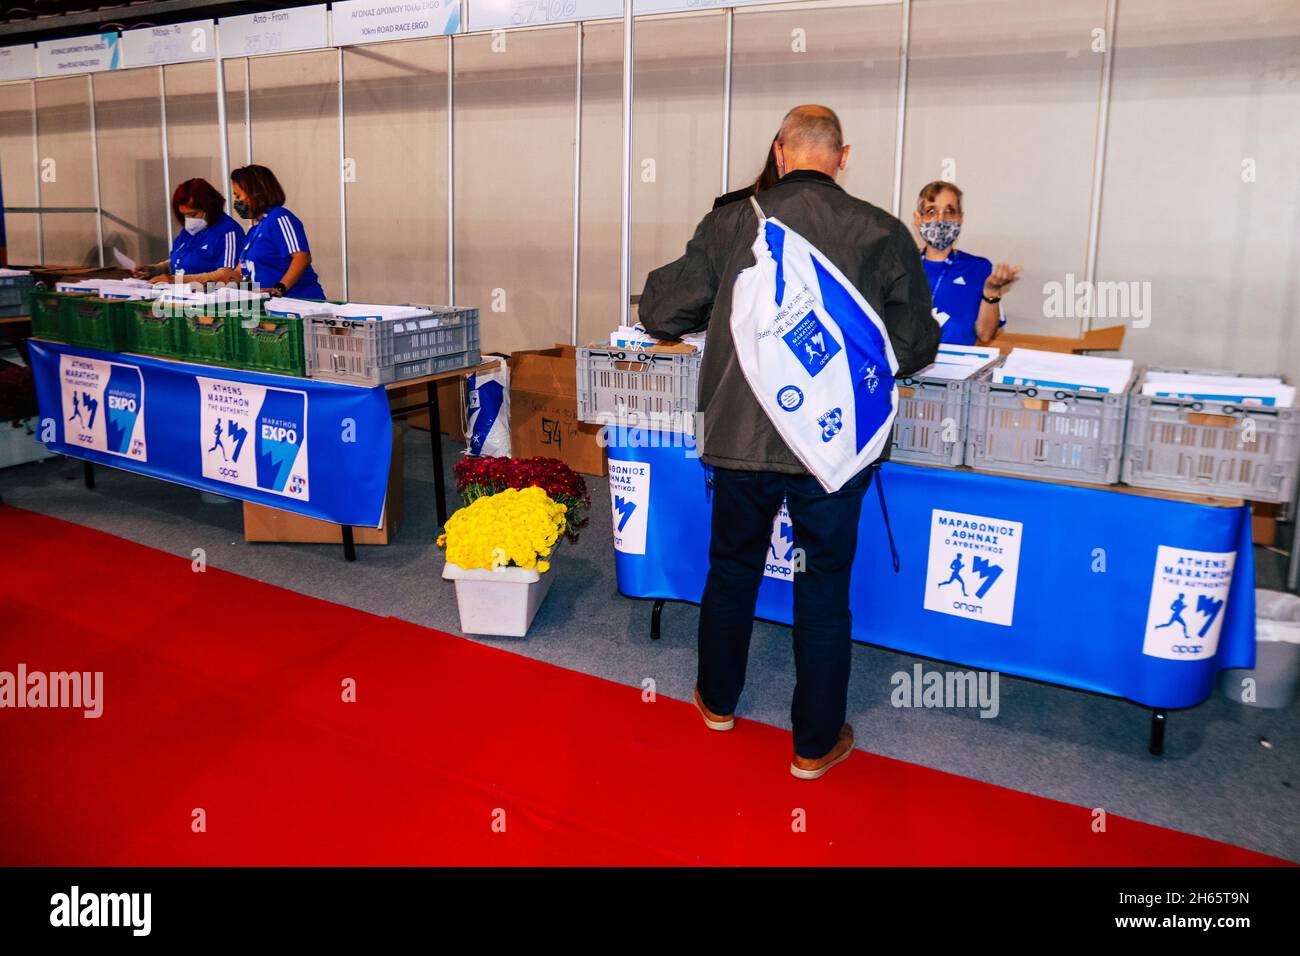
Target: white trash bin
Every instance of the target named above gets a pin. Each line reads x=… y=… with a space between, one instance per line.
x=1277 y=654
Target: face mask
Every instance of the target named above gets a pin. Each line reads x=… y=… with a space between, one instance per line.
x=195 y=226
x=941 y=233
x=241 y=209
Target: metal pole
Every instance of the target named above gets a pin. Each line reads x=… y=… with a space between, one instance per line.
x=726 y=105
x=343 y=185
x=1099 y=159
x=900 y=123
x=224 y=138
x=36 y=168
x=166 y=149
x=94 y=162
x=625 y=193
x=248 y=112
x=577 y=188
x=451 y=173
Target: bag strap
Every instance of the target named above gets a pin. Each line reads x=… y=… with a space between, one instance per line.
x=884 y=513
x=758 y=210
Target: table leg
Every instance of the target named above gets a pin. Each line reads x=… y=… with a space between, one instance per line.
x=1157 y=733
x=656 y=614
x=435 y=439
x=349 y=545
x=88 y=473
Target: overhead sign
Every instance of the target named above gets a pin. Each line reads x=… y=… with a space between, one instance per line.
x=175 y=43
x=17 y=62
x=372 y=21
x=275 y=31
x=491 y=14
x=90 y=54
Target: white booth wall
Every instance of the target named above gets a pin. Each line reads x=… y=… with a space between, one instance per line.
x=1197 y=192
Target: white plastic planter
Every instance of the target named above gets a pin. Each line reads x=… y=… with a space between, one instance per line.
x=19 y=445
x=501 y=602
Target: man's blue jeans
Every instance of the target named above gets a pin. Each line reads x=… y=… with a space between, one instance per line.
x=826 y=532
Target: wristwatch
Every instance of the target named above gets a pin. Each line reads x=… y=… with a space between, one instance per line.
x=991 y=301
x=280 y=288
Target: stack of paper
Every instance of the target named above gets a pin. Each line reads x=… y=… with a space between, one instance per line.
x=1085 y=373
x=957 y=363
x=297 y=307
x=184 y=294
x=1268 y=391
x=631 y=337
x=6 y=272
x=373 y=312
x=110 y=288
x=696 y=339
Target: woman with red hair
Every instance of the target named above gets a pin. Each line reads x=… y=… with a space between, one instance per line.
x=209 y=239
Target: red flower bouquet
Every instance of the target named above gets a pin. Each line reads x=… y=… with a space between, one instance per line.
x=479 y=476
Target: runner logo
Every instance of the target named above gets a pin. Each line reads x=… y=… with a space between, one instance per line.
x=974 y=562
x=812 y=343
x=1188 y=592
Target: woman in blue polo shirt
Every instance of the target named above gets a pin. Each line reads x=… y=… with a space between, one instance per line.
x=967 y=289
x=209 y=239
x=275 y=257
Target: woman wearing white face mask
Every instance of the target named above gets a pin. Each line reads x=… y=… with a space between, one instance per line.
x=967 y=289
x=209 y=239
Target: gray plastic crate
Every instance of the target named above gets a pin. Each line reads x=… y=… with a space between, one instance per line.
x=931 y=409
x=1076 y=435
x=376 y=352
x=1211 y=447
x=638 y=389
x=14 y=291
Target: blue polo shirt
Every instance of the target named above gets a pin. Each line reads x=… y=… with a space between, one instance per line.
x=957 y=287
x=270 y=246
x=213 y=247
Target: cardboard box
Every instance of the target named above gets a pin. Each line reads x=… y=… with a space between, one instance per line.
x=544 y=410
x=1108 y=339
x=1263 y=522
x=271 y=524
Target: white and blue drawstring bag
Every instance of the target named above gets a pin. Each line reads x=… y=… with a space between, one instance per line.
x=815 y=354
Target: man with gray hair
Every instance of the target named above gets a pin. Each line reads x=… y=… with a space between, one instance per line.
x=753 y=469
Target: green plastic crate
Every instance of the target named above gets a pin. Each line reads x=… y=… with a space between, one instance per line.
x=46 y=310
x=150 y=334
x=270 y=343
x=209 y=339
x=95 y=323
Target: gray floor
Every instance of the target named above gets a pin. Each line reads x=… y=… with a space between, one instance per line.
x=1229 y=772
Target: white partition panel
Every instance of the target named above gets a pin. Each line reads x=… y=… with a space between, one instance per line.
x=842 y=57
x=294 y=109
x=1202 y=191
x=514 y=123
x=396 y=184
x=67 y=170
x=18 y=167
x=132 y=186
x=1002 y=98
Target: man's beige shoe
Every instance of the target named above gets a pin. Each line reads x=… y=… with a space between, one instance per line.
x=810 y=769
x=711 y=720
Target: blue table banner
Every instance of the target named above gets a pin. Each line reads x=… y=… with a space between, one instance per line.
x=1123 y=594
x=315 y=448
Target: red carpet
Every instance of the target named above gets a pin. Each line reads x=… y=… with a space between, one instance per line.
x=223 y=693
